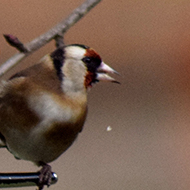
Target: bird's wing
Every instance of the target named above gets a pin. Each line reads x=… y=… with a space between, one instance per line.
x=2 y=141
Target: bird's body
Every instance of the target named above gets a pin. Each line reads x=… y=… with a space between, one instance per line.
x=35 y=126
x=44 y=107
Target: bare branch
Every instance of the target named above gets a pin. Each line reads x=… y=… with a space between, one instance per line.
x=53 y=33
x=15 y=42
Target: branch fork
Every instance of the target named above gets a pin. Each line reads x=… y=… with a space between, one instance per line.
x=55 y=33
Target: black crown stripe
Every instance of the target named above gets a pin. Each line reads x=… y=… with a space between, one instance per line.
x=58 y=60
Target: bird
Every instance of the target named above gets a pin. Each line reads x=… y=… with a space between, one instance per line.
x=43 y=107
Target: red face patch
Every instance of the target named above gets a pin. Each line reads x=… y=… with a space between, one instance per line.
x=89 y=79
x=92 y=61
x=91 y=53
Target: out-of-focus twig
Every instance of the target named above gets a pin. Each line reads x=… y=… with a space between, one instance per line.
x=53 y=33
x=15 y=42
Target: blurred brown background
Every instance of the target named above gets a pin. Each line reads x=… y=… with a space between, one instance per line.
x=148 y=42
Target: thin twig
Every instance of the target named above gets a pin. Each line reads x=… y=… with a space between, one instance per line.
x=59 y=39
x=43 y=39
x=15 y=42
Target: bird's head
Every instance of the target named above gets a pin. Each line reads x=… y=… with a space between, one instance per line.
x=87 y=63
x=79 y=67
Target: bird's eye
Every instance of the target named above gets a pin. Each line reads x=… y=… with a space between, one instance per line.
x=86 y=60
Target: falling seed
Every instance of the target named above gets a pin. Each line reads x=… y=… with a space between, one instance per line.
x=109 y=128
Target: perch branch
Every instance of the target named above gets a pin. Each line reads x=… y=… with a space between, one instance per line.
x=54 y=33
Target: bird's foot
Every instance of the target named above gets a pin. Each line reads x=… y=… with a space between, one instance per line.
x=45 y=176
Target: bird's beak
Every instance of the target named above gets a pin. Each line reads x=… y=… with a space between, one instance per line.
x=103 y=71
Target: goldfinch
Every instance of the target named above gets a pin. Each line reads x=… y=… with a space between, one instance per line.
x=43 y=108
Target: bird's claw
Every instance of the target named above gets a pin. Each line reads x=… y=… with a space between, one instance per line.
x=45 y=176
